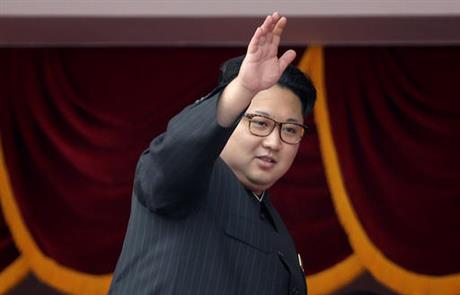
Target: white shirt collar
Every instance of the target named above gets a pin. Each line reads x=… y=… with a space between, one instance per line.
x=257 y=197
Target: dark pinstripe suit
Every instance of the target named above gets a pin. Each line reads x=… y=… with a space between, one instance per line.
x=194 y=229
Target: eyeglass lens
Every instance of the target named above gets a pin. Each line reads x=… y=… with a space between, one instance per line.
x=262 y=126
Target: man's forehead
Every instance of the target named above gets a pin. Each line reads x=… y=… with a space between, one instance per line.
x=288 y=119
x=279 y=103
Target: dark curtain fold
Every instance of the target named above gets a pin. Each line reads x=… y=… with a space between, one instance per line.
x=74 y=122
x=395 y=118
x=8 y=251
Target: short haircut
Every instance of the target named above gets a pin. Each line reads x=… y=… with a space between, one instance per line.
x=292 y=79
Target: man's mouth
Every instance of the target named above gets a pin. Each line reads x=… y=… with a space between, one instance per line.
x=267 y=159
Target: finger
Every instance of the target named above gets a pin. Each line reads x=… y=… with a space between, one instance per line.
x=269 y=38
x=278 y=30
x=266 y=24
x=286 y=59
x=269 y=25
x=255 y=41
x=280 y=25
x=262 y=41
x=275 y=19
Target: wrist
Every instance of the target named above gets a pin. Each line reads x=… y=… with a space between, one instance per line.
x=242 y=89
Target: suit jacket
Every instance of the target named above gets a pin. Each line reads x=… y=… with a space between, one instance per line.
x=194 y=229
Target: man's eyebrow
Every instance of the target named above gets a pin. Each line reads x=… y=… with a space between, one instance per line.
x=262 y=113
x=290 y=120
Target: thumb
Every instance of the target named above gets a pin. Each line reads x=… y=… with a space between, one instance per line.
x=286 y=59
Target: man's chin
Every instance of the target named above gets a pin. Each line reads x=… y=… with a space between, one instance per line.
x=262 y=182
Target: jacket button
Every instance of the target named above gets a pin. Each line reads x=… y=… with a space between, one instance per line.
x=262 y=216
x=294 y=291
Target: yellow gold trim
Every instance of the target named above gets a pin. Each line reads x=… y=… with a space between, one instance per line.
x=46 y=269
x=383 y=269
x=13 y=274
x=345 y=271
x=335 y=277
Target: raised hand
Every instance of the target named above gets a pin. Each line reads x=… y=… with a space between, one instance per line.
x=261 y=67
x=260 y=70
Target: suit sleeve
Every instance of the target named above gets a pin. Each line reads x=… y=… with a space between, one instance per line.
x=173 y=173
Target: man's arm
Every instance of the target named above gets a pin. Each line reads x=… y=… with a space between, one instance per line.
x=174 y=171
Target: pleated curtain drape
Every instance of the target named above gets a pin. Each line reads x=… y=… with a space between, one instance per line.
x=375 y=185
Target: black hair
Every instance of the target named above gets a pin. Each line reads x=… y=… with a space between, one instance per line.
x=292 y=79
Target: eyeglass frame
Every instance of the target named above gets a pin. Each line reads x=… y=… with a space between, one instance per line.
x=276 y=123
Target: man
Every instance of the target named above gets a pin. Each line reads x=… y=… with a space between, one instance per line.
x=201 y=220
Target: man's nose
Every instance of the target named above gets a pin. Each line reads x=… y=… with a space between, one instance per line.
x=273 y=140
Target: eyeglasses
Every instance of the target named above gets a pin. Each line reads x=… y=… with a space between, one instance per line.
x=290 y=133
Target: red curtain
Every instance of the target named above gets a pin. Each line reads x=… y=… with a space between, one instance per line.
x=395 y=118
x=73 y=124
x=74 y=121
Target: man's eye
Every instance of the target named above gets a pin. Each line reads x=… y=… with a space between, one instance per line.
x=290 y=130
x=259 y=123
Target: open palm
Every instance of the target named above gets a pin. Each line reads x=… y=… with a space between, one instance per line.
x=261 y=67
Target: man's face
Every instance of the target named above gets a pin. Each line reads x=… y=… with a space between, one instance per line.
x=258 y=162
